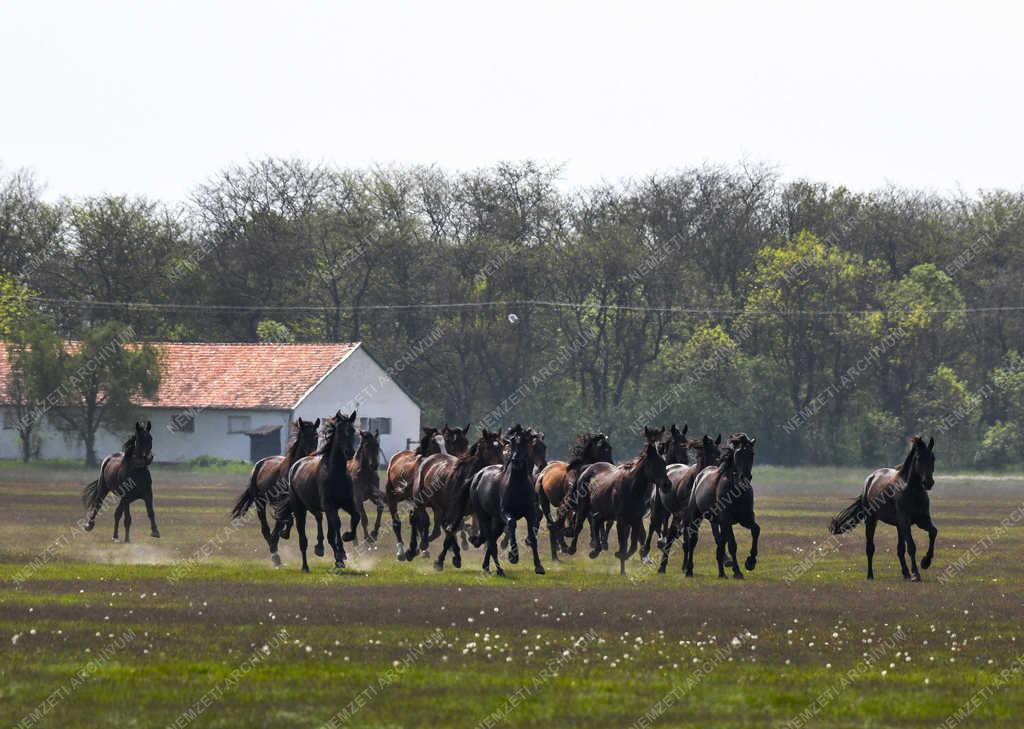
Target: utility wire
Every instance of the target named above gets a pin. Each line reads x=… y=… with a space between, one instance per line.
x=520 y=303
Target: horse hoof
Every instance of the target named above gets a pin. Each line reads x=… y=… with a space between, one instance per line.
x=115 y=540
x=593 y=553
x=89 y=526
x=339 y=564
x=751 y=563
x=643 y=553
x=276 y=560
x=620 y=556
x=688 y=573
x=661 y=569
x=305 y=568
x=499 y=572
x=127 y=540
x=723 y=577
x=727 y=562
x=539 y=569
x=915 y=577
x=318 y=550
x=570 y=551
x=348 y=536
x=370 y=539
x=155 y=534
x=513 y=557
x=425 y=554
x=438 y=566
x=401 y=555
x=737 y=575
x=926 y=562
x=646 y=560
x=457 y=562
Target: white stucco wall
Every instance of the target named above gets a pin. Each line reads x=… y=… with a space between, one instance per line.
x=211 y=437
x=360 y=383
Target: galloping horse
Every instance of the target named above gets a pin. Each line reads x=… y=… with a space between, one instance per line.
x=897 y=496
x=442 y=483
x=675 y=450
x=363 y=471
x=556 y=481
x=724 y=496
x=672 y=498
x=499 y=496
x=126 y=475
x=268 y=483
x=401 y=470
x=620 y=494
x=321 y=484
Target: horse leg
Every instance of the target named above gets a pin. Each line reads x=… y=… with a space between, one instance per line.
x=396 y=526
x=755 y=532
x=414 y=535
x=531 y=538
x=127 y=521
x=636 y=535
x=925 y=523
x=869 y=544
x=666 y=544
x=436 y=532
x=449 y=542
x=275 y=535
x=657 y=511
x=596 y=528
x=692 y=534
x=299 y=515
x=915 y=576
x=379 y=501
x=153 y=531
x=719 y=536
x=117 y=518
x=513 y=541
x=354 y=518
x=554 y=532
x=901 y=547
x=364 y=520
x=730 y=540
x=334 y=536
x=492 y=547
x=622 y=531
x=318 y=550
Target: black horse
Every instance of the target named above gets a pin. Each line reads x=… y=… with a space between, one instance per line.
x=897 y=496
x=126 y=476
x=321 y=484
x=501 y=495
x=674 y=450
x=723 y=495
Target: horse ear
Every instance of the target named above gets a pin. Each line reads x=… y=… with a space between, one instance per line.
x=149 y=426
x=931 y=444
x=686 y=428
x=674 y=430
x=718 y=440
x=466 y=429
x=444 y=428
x=317 y=423
x=376 y=433
x=352 y=417
x=753 y=440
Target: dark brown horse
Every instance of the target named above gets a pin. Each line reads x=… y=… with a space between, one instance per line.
x=401 y=471
x=723 y=495
x=126 y=476
x=897 y=496
x=268 y=483
x=673 y=498
x=675 y=450
x=441 y=484
x=321 y=484
x=537 y=453
x=363 y=470
x=555 y=484
x=501 y=495
x=620 y=495
x=456 y=440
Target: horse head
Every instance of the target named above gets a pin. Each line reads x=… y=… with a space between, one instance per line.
x=707 y=450
x=674 y=449
x=306 y=435
x=742 y=449
x=139 y=448
x=456 y=440
x=922 y=461
x=538 y=448
x=368 y=454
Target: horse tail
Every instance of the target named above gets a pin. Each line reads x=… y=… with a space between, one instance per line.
x=249 y=496
x=92 y=496
x=849 y=517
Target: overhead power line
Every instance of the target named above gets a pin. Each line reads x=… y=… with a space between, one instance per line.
x=513 y=304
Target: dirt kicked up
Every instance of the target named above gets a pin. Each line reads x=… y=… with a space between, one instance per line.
x=197 y=629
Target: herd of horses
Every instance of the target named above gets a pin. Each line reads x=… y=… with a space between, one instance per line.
x=467 y=492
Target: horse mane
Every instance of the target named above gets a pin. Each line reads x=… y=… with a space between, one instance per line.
x=293 y=443
x=915 y=443
x=425 y=441
x=128 y=448
x=330 y=431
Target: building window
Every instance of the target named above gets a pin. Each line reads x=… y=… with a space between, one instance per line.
x=10 y=421
x=183 y=423
x=239 y=423
x=372 y=424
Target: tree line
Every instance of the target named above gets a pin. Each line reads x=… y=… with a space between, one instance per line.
x=830 y=323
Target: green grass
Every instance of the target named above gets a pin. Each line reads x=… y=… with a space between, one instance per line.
x=580 y=646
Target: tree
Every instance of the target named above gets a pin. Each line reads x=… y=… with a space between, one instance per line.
x=34 y=356
x=100 y=378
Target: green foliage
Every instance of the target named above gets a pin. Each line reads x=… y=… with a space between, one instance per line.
x=272 y=331
x=1000 y=446
x=14 y=308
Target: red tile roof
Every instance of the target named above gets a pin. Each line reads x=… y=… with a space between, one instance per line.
x=235 y=376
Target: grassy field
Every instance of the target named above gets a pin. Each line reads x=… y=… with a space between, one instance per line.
x=197 y=629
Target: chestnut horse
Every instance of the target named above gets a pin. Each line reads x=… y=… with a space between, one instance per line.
x=441 y=484
x=723 y=495
x=401 y=470
x=268 y=483
x=126 y=475
x=321 y=484
x=620 y=494
x=897 y=496
x=501 y=495
x=555 y=483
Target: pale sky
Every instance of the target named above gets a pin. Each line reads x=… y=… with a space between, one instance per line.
x=152 y=98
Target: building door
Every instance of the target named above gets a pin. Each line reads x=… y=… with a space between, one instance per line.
x=264 y=442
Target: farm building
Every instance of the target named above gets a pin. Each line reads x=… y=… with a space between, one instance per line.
x=236 y=401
